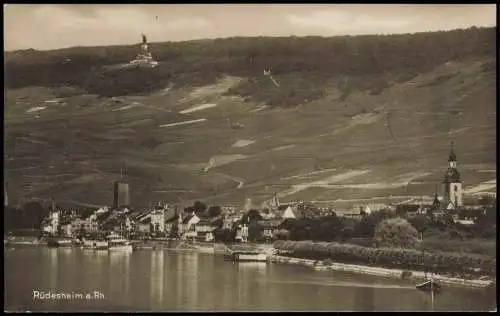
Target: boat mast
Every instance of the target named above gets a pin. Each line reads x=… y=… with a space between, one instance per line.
x=432 y=291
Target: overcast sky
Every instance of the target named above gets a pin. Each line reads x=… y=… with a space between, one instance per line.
x=45 y=26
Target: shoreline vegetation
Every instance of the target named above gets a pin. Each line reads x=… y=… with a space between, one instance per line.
x=348 y=258
x=449 y=268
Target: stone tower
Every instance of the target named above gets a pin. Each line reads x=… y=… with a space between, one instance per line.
x=121 y=194
x=452 y=184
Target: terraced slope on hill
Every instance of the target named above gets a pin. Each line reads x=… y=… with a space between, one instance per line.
x=334 y=134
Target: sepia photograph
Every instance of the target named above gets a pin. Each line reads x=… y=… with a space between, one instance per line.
x=250 y=157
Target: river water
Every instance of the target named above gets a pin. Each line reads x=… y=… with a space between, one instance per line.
x=169 y=280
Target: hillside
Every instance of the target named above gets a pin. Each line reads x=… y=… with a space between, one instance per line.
x=352 y=118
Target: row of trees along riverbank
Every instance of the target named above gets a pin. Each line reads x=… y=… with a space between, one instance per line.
x=395 y=245
x=452 y=264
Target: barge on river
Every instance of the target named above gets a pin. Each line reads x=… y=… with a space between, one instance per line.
x=59 y=242
x=246 y=256
x=112 y=242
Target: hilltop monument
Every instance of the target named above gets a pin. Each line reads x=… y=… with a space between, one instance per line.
x=144 y=58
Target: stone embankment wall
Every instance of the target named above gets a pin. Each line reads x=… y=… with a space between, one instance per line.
x=375 y=271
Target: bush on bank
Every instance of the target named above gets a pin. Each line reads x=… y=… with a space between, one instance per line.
x=409 y=259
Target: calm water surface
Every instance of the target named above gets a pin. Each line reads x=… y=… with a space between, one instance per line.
x=165 y=280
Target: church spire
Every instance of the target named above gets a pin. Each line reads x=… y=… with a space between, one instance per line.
x=452 y=182
x=436 y=199
x=452 y=156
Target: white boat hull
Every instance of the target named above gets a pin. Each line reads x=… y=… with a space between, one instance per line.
x=124 y=248
x=246 y=257
x=95 y=245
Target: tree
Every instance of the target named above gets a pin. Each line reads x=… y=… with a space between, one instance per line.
x=396 y=232
x=199 y=207
x=282 y=234
x=420 y=222
x=346 y=233
x=214 y=211
x=252 y=216
x=31 y=216
x=255 y=231
x=174 y=232
x=366 y=227
x=224 y=235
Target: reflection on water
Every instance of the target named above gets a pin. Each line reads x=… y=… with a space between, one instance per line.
x=53 y=271
x=182 y=281
x=156 y=283
x=191 y=278
x=250 y=272
x=179 y=281
x=119 y=273
x=364 y=299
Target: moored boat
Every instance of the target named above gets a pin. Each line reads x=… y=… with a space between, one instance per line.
x=320 y=268
x=59 y=242
x=246 y=256
x=95 y=244
x=429 y=286
x=118 y=243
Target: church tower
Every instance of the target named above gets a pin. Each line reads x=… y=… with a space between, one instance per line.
x=452 y=183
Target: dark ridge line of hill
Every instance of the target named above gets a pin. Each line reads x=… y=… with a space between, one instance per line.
x=31 y=50
x=305 y=65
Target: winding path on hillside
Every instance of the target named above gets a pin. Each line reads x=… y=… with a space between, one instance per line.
x=241 y=182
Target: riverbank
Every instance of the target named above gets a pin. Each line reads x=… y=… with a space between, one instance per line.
x=382 y=272
x=23 y=241
x=220 y=249
x=203 y=247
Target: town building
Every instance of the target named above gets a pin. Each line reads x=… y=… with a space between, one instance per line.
x=114 y=220
x=82 y=226
x=355 y=214
x=204 y=225
x=435 y=209
x=267 y=213
x=171 y=217
x=204 y=229
x=186 y=226
x=158 y=218
x=410 y=210
x=269 y=228
x=172 y=223
x=452 y=184
x=52 y=224
x=65 y=228
x=129 y=224
x=205 y=236
x=242 y=233
x=143 y=226
x=228 y=221
x=288 y=213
